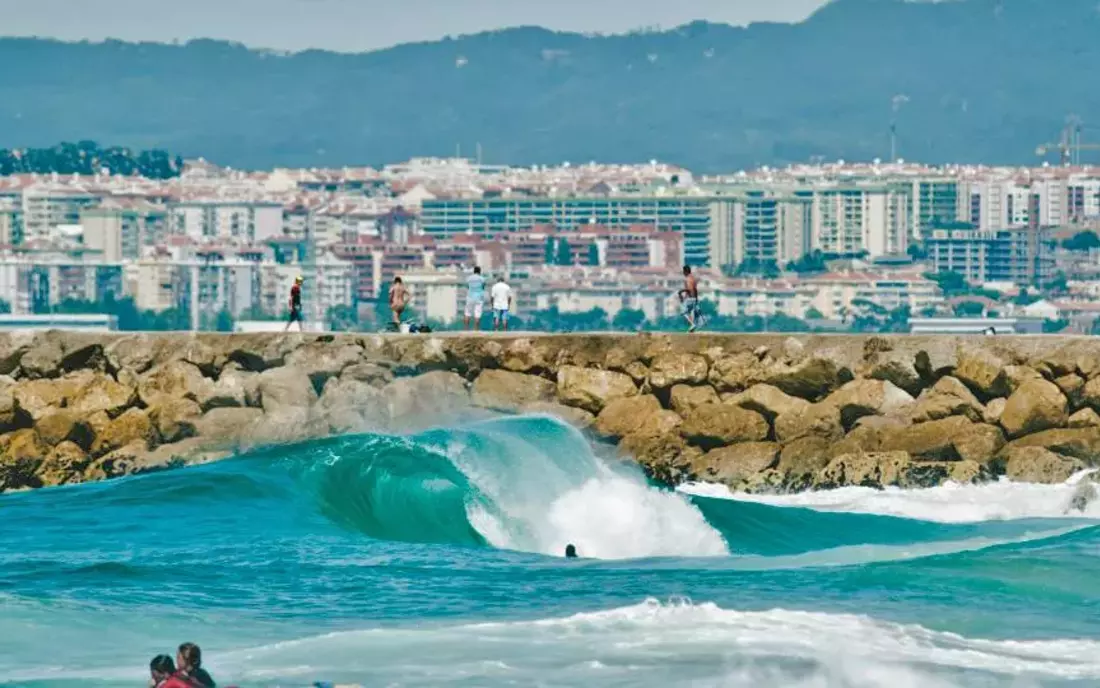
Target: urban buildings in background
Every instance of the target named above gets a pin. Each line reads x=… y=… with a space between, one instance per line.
x=827 y=243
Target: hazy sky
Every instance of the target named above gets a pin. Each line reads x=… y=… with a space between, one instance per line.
x=353 y=25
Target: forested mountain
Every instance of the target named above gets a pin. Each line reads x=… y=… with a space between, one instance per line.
x=985 y=80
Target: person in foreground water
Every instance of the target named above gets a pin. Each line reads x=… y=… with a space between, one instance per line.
x=189 y=672
x=160 y=670
x=570 y=552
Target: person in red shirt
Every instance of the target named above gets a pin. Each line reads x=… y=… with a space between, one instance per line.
x=295 y=305
x=189 y=672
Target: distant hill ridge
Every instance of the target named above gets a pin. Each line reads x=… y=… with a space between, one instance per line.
x=986 y=81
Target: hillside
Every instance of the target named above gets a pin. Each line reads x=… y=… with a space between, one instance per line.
x=987 y=80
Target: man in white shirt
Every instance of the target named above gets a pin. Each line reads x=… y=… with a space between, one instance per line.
x=501 y=296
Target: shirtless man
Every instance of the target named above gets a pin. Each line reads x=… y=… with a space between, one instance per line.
x=689 y=299
x=399 y=298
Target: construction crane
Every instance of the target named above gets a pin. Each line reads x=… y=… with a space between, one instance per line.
x=1069 y=145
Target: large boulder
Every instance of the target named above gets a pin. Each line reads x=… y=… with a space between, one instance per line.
x=63 y=465
x=21 y=454
x=866 y=436
x=686 y=398
x=101 y=393
x=1037 y=465
x=35 y=398
x=235 y=387
x=624 y=416
x=1085 y=418
x=737 y=372
x=321 y=360
x=227 y=427
x=661 y=451
x=716 y=425
x=735 y=464
x=876 y=470
x=350 y=405
x=861 y=398
x=675 y=369
x=592 y=389
x=503 y=390
x=12 y=347
x=931 y=441
x=413 y=402
x=980 y=369
x=64 y=424
x=1037 y=405
x=979 y=443
x=131 y=427
x=801 y=460
x=11 y=418
x=175 y=419
x=285 y=388
x=817 y=420
x=1090 y=393
x=43 y=360
x=994 y=410
x=371 y=373
x=811 y=379
x=1080 y=443
x=174 y=380
x=770 y=402
x=899 y=371
x=1073 y=387
x=948 y=397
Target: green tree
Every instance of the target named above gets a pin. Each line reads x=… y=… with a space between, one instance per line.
x=224 y=321
x=814 y=314
x=551 y=250
x=810 y=263
x=593 y=255
x=5 y=307
x=341 y=318
x=628 y=320
x=564 y=254
x=950 y=283
x=1082 y=241
x=967 y=309
x=1058 y=284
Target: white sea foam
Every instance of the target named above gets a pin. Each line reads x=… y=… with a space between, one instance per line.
x=675 y=644
x=948 y=503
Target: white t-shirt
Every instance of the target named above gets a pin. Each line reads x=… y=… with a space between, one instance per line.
x=501 y=295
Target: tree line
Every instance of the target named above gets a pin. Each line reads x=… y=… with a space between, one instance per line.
x=89 y=158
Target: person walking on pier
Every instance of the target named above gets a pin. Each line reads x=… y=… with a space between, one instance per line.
x=689 y=299
x=475 y=298
x=295 y=305
x=399 y=298
x=501 y=296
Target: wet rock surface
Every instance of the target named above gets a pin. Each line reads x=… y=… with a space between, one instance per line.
x=755 y=412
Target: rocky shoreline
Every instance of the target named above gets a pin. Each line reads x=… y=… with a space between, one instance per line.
x=755 y=412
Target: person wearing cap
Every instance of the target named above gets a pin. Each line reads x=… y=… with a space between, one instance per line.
x=295 y=304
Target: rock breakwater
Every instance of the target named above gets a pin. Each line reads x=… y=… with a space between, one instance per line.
x=755 y=412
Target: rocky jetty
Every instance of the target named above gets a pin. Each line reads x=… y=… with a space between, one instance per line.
x=756 y=412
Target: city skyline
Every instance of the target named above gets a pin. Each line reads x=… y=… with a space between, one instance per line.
x=348 y=26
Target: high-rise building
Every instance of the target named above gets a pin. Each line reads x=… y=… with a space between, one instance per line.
x=1021 y=255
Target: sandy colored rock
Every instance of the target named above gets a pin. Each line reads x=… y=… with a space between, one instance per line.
x=285 y=388
x=507 y=391
x=770 y=402
x=370 y=373
x=235 y=387
x=818 y=420
x=130 y=459
x=801 y=460
x=811 y=379
x=21 y=454
x=175 y=419
x=716 y=425
x=684 y=399
x=1036 y=406
x=979 y=443
x=735 y=464
x=322 y=360
x=877 y=470
x=994 y=410
x=863 y=438
x=980 y=369
x=101 y=393
x=1085 y=418
x=175 y=379
x=1037 y=465
x=1081 y=443
x=592 y=389
x=64 y=464
x=133 y=426
x=1073 y=387
x=677 y=369
x=348 y=405
x=931 y=441
x=43 y=360
x=1013 y=377
x=10 y=416
x=899 y=371
x=1090 y=393
x=227 y=426
x=860 y=398
x=948 y=397
x=527 y=356
x=737 y=372
x=411 y=402
x=60 y=425
x=622 y=417
x=35 y=398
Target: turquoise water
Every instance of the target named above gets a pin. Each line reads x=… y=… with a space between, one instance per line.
x=434 y=560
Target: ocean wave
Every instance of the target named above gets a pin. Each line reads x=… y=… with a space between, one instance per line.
x=948 y=503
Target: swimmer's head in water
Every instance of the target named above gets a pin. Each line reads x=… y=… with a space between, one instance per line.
x=570 y=552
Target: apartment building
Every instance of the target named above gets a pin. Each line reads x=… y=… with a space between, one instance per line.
x=11 y=223
x=869 y=220
x=1023 y=256
x=689 y=216
x=46 y=208
x=240 y=221
x=122 y=229
x=836 y=296
x=937 y=201
x=761 y=226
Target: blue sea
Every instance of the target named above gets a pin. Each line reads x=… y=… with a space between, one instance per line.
x=436 y=560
